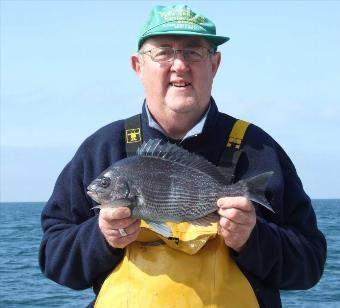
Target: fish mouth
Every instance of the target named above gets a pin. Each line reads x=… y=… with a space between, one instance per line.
x=93 y=195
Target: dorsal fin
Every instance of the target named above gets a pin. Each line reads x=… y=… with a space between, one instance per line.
x=174 y=153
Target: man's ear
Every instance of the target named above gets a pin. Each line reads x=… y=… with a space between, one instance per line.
x=136 y=64
x=216 y=60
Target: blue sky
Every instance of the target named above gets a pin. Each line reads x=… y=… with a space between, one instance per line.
x=65 y=72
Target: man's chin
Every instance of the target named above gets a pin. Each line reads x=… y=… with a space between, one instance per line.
x=182 y=104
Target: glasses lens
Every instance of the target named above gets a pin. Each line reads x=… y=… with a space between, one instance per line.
x=161 y=54
x=195 y=54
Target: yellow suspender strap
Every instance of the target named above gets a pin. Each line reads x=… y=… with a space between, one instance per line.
x=237 y=133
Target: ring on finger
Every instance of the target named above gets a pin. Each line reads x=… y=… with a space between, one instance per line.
x=122 y=232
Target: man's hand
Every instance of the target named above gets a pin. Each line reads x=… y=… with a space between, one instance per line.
x=113 y=219
x=237 y=221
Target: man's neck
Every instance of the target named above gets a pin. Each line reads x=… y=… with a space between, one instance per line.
x=178 y=125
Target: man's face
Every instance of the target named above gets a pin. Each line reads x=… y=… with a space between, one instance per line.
x=176 y=86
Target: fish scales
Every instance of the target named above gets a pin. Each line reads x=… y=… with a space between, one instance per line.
x=177 y=190
x=164 y=182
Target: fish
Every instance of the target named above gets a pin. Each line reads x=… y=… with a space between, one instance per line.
x=164 y=182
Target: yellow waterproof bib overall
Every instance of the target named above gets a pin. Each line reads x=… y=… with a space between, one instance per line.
x=191 y=269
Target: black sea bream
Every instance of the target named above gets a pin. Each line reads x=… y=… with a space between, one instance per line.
x=165 y=182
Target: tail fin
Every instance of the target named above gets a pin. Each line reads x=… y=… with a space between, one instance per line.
x=256 y=188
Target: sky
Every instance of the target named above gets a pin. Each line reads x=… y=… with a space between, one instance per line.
x=65 y=72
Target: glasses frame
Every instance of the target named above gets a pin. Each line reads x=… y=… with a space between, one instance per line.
x=210 y=51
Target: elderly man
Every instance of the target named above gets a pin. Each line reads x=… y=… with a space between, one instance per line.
x=243 y=260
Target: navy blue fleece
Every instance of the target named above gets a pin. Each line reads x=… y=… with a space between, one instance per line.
x=285 y=251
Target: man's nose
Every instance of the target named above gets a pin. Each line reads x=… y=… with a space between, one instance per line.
x=179 y=62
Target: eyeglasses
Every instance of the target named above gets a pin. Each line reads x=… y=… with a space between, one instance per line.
x=167 y=54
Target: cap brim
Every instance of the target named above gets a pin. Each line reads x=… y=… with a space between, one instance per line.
x=215 y=39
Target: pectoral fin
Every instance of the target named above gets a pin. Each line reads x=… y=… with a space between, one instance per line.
x=160 y=228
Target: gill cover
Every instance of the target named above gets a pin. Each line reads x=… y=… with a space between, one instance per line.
x=120 y=189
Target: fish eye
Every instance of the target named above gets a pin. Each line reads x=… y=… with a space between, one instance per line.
x=105 y=182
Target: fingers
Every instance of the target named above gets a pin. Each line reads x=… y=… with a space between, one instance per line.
x=231 y=226
x=238 y=219
x=116 y=240
x=233 y=240
x=234 y=215
x=129 y=229
x=112 y=219
x=236 y=210
x=240 y=203
x=115 y=213
x=116 y=218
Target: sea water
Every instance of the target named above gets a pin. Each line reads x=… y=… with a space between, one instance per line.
x=23 y=285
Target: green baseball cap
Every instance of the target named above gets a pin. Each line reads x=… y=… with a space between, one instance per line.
x=179 y=20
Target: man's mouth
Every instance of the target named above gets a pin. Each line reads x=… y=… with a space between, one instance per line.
x=180 y=84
